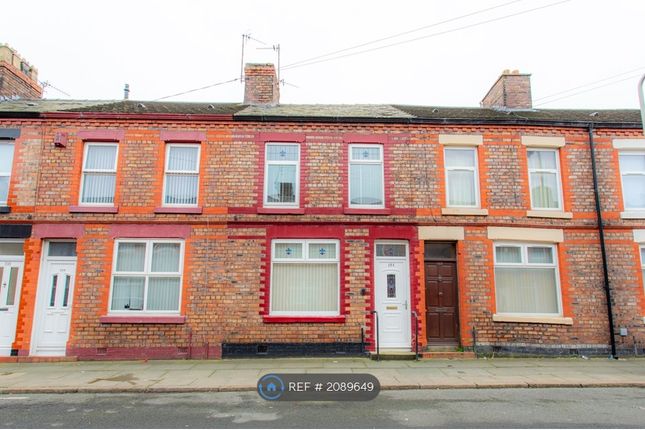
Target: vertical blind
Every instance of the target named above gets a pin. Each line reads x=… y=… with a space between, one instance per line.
x=99 y=174
x=6 y=161
x=543 y=172
x=182 y=175
x=460 y=170
x=632 y=168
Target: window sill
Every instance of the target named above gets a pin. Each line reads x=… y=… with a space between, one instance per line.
x=534 y=320
x=179 y=210
x=366 y=211
x=147 y=319
x=5 y=209
x=633 y=215
x=464 y=211
x=549 y=214
x=94 y=209
x=278 y=211
x=286 y=319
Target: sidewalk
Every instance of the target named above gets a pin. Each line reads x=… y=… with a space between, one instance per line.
x=243 y=374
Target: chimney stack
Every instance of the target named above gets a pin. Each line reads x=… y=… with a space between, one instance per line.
x=261 y=86
x=512 y=90
x=17 y=78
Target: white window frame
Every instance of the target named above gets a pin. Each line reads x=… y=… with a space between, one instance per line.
x=474 y=169
x=7 y=174
x=181 y=172
x=305 y=258
x=558 y=176
x=525 y=264
x=267 y=163
x=622 y=174
x=351 y=161
x=147 y=273
x=85 y=170
x=641 y=252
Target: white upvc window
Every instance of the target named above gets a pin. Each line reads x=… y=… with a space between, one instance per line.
x=147 y=276
x=181 y=178
x=282 y=175
x=6 y=161
x=545 y=181
x=99 y=174
x=305 y=277
x=527 y=280
x=366 y=188
x=632 y=173
x=462 y=179
x=643 y=262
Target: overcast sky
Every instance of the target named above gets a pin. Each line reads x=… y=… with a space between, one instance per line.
x=90 y=49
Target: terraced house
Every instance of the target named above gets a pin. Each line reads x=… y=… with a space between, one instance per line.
x=168 y=230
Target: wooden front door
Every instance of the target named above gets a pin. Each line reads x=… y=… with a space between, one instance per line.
x=442 y=316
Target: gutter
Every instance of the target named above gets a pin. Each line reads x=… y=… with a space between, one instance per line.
x=603 y=250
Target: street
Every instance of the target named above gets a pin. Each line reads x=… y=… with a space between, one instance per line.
x=453 y=408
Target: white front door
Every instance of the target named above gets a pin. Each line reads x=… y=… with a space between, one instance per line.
x=392 y=298
x=54 y=302
x=10 y=283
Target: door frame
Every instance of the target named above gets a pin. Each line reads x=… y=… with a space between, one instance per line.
x=408 y=317
x=39 y=301
x=443 y=260
x=21 y=272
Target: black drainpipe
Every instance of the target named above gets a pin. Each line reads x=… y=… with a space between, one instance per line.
x=601 y=230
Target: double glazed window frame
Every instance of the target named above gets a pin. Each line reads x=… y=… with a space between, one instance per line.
x=304 y=259
x=7 y=173
x=629 y=172
x=168 y=172
x=351 y=161
x=147 y=274
x=85 y=171
x=474 y=169
x=524 y=264
x=268 y=163
x=558 y=176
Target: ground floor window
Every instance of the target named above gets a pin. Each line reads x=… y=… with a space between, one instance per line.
x=526 y=279
x=146 y=276
x=305 y=277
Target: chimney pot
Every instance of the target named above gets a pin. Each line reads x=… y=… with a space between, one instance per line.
x=512 y=90
x=261 y=85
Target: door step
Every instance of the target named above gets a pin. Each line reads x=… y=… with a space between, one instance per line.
x=448 y=355
x=393 y=355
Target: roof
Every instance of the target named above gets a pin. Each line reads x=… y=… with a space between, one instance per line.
x=622 y=118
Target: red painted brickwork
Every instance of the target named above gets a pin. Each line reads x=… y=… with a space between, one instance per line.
x=227 y=260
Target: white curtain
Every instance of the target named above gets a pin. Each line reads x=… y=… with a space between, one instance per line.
x=165 y=257
x=526 y=290
x=163 y=294
x=366 y=183
x=281 y=183
x=127 y=293
x=98 y=188
x=461 y=188
x=6 y=161
x=303 y=288
x=634 y=192
x=540 y=255
x=508 y=254
x=544 y=190
x=131 y=257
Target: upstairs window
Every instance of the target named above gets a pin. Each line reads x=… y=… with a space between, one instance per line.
x=526 y=279
x=6 y=161
x=366 y=176
x=146 y=276
x=632 y=172
x=281 y=175
x=462 y=182
x=544 y=179
x=181 y=179
x=99 y=174
x=643 y=263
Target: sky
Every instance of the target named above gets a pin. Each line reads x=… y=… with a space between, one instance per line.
x=580 y=53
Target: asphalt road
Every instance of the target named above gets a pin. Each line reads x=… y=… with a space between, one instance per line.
x=529 y=407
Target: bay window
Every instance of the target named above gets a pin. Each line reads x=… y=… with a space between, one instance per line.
x=462 y=183
x=632 y=172
x=146 y=276
x=366 y=176
x=181 y=179
x=6 y=161
x=544 y=179
x=526 y=279
x=281 y=175
x=99 y=174
x=305 y=277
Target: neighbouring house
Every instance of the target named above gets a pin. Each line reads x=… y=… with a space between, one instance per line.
x=137 y=229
